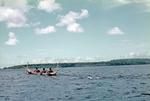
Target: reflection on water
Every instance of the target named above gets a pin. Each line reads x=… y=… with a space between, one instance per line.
x=120 y=83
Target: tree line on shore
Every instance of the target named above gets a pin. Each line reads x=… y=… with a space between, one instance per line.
x=85 y=64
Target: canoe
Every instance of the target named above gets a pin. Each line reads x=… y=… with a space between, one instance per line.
x=39 y=73
x=52 y=73
x=32 y=72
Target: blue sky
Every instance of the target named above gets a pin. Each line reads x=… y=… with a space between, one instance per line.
x=41 y=31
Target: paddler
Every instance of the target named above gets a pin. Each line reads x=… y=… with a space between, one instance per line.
x=50 y=70
x=36 y=70
x=43 y=71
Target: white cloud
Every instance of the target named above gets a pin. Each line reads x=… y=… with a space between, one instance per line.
x=13 y=17
x=12 y=40
x=115 y=31
x=70 y=20
x=49 y=5
x=139 y=55
x=74 y=27
x=65 y=59
x=132 y=54
x=46 y=30
x=12 y=12
x=20 y=4
x=84 y=13
x=123 y=1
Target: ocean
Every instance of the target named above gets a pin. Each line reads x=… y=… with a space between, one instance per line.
x=103 y=83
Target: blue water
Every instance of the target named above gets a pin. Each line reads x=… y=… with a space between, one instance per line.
x=105 y=83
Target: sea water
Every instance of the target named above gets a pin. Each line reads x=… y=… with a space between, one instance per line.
x=103 y=83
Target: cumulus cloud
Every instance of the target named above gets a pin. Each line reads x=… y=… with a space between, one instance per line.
x=12 y=12
x=12 y=40
x=20 y=4
x=49 y=5
x=83 y=14
x=70 y=20
x=74 y=27
x=139 y=55
x=46 y=30
x=13 y=17
x=115 y=31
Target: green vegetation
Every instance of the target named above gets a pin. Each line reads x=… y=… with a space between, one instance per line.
x=85 y=64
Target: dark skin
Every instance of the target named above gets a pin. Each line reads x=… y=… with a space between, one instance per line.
x=44 y=71
x=36 y=70
x=50 y=70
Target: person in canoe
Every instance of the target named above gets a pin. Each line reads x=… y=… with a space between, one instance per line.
x=43 y=71
x=50 y=72
x=36 y=70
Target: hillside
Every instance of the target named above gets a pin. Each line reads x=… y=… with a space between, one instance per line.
x=84 y=64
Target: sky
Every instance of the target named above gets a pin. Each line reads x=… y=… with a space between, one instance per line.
x=47 y=31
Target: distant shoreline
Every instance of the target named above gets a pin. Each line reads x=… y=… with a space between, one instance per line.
x=115 y=62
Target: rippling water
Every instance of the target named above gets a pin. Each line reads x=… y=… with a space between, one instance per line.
x=108 y=83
